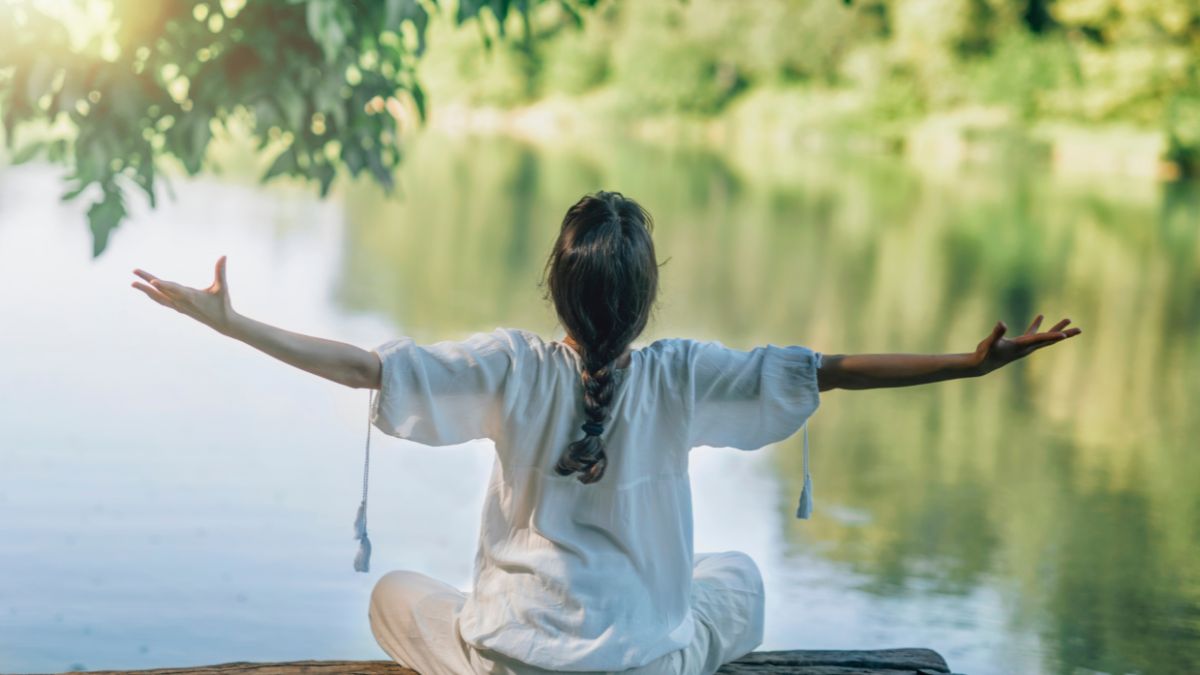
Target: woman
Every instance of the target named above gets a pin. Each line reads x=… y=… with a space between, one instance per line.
x=585 y=559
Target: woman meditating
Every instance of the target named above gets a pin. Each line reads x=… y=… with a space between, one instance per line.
x=585 y=559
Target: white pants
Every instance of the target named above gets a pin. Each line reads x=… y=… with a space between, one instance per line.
x=413 y=619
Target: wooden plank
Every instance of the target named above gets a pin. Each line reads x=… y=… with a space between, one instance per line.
x=796 y=662
x=280 y=668
x=831 y=670
x=820 y=662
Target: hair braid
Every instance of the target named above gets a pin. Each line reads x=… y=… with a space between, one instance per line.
x=586 y=455
x=603 y=277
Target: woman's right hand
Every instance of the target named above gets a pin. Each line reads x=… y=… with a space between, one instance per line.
x=210 y=306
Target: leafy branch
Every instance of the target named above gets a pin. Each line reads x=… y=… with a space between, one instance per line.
x=322 y=84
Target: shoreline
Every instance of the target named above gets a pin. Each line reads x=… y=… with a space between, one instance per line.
x=944 y=141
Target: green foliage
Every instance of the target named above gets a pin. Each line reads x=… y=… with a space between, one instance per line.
x=674 y=75
x=325 y=86
x=321 y=84
x=1122 y=62
x=1023 y=71
x=496 y=74
x=697 y=56
x=575 y=61
x=663 y=55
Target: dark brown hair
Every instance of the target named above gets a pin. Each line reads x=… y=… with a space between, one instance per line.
x=603 y=278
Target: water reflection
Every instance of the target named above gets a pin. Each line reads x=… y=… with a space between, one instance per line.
x=169 y=498
x=1066 y=487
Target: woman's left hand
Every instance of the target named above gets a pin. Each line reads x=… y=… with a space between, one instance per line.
x=996 y=350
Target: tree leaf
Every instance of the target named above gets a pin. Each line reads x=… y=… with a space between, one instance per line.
x=104 y=216
x=325 y=25
x=399 y=11
x=418 y=95
x=285 y=163
x=325 y=173
x=28 y=152
x=201 y=134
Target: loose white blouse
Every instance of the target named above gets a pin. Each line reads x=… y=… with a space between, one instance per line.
x=570 y=576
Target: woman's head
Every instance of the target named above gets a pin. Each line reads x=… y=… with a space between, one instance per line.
x=603 y=279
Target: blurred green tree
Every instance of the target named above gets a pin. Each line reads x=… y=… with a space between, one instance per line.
x=321 y=84
x=868 y=68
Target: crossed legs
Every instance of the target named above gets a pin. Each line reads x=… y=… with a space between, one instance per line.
x=413 y=617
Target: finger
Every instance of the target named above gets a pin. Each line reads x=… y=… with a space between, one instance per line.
x=1031 y=343
x=169 y=288
x=1037 y=321
x=989 y=343
x=1038 y=338
x=220 y=276
x=1060 y=325
x=1041 y=345
x=144 y=274
x=153 y=294
x=998 y=332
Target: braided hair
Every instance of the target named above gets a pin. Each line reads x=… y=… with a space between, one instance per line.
x=602 y=276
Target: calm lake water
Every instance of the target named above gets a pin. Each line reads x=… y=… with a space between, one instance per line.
x=171 y=497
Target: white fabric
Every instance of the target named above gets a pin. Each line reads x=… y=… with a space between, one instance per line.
x=413 y=619
x=573 y=577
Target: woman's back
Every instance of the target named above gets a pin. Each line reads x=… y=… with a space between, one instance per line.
x=588 y=576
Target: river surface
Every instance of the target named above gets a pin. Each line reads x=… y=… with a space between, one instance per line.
x=170 y=497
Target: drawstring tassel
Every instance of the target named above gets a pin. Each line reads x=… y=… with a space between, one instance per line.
x=804 y=509
x=362 y=561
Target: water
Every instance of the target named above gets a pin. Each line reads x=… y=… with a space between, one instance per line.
x=170 y=497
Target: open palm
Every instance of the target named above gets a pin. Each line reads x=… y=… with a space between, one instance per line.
x=210 y=306
x=996 y=350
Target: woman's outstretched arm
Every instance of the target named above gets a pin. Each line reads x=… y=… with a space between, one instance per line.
x=332 y=360
x=874 y=371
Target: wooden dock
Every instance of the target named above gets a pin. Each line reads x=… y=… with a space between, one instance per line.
x=798 y=662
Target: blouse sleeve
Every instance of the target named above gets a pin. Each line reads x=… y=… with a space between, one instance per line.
x=447 y=392
x=748 y=399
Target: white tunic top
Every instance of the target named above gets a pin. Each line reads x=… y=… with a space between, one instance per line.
x=570 y=576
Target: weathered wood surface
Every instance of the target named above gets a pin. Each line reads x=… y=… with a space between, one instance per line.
x=799 y=662
x=280 y=668
x=830 y=662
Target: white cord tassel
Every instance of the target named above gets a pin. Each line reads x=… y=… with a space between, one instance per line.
x=804 y=510
x=362 y=561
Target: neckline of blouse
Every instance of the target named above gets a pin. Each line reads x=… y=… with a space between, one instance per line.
x=633 y=355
